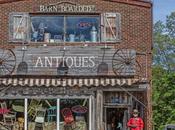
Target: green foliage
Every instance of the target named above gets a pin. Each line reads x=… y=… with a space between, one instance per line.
x=164 y=43
x=163 y=98
x=164 y=73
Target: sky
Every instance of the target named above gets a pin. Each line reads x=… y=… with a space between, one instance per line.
x=162 y=8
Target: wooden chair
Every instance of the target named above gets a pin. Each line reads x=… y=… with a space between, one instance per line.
x=34 y=104
x=9 y=118
x=51 y=113
x=40 y=117
x=69 y=122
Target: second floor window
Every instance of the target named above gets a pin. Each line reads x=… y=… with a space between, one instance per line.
x=65 y=28
x=55 y=29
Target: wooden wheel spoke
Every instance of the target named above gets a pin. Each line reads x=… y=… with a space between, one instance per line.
x=2 y=53
x=5 y=54
x=120 y=67
x=3 y=70
x=121 y=56
x=9 y=56
x=116 y=64
x=9 y=61
x=124 y=53
x=7 y=69
x=9 y=65
x=118 y=60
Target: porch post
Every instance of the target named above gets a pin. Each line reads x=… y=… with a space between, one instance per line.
x=25 y=113
x=90 y=113
x=58 y=114
x=99 y=110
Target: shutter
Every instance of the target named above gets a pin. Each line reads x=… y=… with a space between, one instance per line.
x=102 y=28
x=111 y=31
x=19 y=27
x=118 y=26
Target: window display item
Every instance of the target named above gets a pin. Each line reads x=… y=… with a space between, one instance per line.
x=93 y=34
x=47 y=37
x=71 y=38
x=35 y=36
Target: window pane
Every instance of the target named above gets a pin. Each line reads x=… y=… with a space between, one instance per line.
x=47 y=28
x=74 y=113
x=12 y=114
x=82 y=29
x=42 y=114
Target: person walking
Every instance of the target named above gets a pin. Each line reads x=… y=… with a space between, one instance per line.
x=135 y=123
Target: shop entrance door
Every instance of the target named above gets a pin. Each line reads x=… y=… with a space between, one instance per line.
x=116 y=118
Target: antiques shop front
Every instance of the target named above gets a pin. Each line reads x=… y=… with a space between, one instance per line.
x=74 y=64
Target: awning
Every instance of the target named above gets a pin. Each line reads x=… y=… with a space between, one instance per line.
x=68 y=81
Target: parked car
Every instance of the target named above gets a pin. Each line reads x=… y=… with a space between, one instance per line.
x=170 y=127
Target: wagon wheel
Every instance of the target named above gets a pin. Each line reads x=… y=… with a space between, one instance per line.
x=124 y=63
x=7 y=61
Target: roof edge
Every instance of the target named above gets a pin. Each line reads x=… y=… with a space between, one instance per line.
x=142 y=3
x=9 y=1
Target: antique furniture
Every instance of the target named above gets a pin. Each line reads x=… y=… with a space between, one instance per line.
x=9 y=117
x=18 y=106
x=79 y=111
x=69 y=122
x=40 y=117
x=21 y=123
x=34 y=104
x=51 y=113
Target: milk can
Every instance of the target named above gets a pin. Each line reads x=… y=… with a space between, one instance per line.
x=93 y=34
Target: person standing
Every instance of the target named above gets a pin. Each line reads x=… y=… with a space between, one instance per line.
x=135 y=123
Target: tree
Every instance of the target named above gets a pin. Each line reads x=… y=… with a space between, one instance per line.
x=163 y=98
x=164 y=43
x=164 y=73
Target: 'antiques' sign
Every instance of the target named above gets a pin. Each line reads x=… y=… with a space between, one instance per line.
x=66 y=7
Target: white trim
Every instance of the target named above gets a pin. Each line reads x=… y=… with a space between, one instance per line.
x=58 y=114
x=25 y=113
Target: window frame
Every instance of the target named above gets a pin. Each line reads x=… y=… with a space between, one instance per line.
x=65 y=27
x=100 y=27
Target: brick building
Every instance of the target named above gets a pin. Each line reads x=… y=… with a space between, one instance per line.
x=74 y=64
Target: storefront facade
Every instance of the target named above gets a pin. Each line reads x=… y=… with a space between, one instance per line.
x=76 y=64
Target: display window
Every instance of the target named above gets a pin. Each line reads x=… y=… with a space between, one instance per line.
x=12 y=114
x=59 y=28
x=42 y=114
x=74 y=113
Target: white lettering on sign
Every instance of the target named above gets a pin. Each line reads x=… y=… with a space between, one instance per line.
x=77 y=62
x=67 y=8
